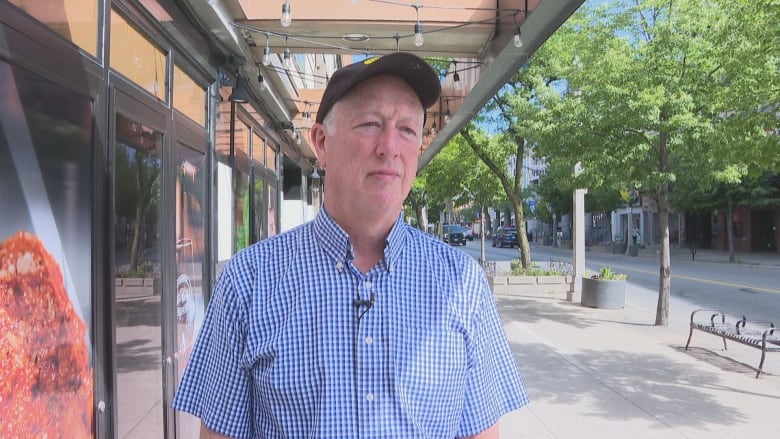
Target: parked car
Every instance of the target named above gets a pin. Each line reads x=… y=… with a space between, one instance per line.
x=453 y=234
x=506 y=236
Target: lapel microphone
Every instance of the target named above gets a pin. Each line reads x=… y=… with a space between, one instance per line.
x=367 y=303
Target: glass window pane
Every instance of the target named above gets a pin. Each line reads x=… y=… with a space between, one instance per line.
x=190 y=254
x=46 y=144
x=137 y=58
x=259 y=205
x=188 y=96
x=270 y=158
x=137 y=250
x=74 y=20
x=258 y=149
x=272 y=210
x=242 y=210
x=224 y=202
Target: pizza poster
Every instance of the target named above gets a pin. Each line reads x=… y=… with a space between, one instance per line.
x=46 y=373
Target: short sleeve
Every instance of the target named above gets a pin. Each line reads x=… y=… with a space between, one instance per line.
x=495 y=386
x=216 y=385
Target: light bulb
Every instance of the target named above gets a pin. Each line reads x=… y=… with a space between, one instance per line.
x=518 y=39
x=456 y=81
x=447 y=116
x=418 y=35
x=261 y=82
x=286 y=19
x=287 y=59
x=433 y=129
x=266 y=56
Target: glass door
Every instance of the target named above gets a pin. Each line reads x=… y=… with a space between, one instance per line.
x=138 y=300
x=191 y=207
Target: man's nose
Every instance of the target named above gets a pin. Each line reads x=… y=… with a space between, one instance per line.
x=388 y=143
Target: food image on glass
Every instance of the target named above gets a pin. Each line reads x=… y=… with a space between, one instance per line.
x=45 y=372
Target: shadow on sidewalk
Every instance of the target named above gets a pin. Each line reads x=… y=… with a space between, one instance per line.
x=616 y=385
x=576 y=366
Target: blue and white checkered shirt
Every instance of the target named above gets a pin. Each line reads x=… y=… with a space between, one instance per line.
x=285 y=353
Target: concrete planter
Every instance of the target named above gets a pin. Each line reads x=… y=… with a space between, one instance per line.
x=127 y=287
x=601 y=293
x=550 y=286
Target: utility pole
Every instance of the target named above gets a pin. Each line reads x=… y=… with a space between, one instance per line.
x=578 y=241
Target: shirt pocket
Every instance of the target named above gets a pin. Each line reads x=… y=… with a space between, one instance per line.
x=430 y=371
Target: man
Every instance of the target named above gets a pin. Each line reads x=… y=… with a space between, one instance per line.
x=355 y=324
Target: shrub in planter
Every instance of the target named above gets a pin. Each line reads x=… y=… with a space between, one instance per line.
x=605 y=289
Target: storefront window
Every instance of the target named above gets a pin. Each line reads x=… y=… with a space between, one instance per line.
x=136 y=58
x=259 y=206
x=46 y=144
x=189 y=97
x=190 y=258
x=242 y=209
x=270 y=158
x=74 y=20
x=242 y=166
x=137 y=286
x=272 y=210
x=224 y=203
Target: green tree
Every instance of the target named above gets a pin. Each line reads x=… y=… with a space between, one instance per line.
x=495 y=152
x=647 y=82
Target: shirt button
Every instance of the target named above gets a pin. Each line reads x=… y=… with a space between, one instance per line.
x=339 y=266
x=369 y=340
x=370 y=397
x=368 y=285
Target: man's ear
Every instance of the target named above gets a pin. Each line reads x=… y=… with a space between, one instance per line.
x=318 y=134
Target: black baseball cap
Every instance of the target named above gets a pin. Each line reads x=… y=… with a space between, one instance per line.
x=414 y=70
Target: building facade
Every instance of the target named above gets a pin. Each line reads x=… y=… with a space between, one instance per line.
x=127 y=163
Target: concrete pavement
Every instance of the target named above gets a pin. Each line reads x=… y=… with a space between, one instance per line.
x=604 y=373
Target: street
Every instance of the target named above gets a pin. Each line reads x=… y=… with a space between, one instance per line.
x=737 y=289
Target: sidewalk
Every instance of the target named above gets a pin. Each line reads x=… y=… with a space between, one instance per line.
x=604 y=373
x=759 y=259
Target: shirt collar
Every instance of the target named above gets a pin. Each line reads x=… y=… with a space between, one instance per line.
x=334 y=240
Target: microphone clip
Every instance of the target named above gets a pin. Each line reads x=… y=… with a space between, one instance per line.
x=358 y=303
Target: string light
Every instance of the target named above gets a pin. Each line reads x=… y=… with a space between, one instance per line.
x=266 y=53
x=261 y=82
x=286 y=18
x=447 y=113
x=418 y=33
x=456 y=77
x=287 y=57
x=518 y=40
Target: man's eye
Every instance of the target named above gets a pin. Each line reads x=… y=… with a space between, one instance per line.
x=409 y=130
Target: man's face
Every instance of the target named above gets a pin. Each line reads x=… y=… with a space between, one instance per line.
x=369 y=147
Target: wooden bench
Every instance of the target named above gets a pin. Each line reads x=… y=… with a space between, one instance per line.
x=759 y=334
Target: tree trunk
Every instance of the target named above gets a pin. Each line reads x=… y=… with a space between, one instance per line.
x=525 y=249
x=629 y=226
x=664 y=275
x=422 y=217
x=730 y=230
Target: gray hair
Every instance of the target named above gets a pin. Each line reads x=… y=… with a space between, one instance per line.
x=329 y=121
